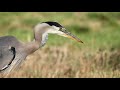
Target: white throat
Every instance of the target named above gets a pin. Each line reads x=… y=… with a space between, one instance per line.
x=44 y=39
x=44 y=29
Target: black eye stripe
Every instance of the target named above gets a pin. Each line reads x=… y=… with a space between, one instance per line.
x=68 y=33
x=65 y=31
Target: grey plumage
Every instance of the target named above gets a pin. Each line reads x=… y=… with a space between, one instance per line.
x=10 y=49
x=7 y=55
x=14 y=52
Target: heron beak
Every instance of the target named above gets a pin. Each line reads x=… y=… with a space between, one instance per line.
x=74 y=38
x=69 y=35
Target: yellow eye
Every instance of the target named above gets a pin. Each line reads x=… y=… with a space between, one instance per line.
x=60 y=28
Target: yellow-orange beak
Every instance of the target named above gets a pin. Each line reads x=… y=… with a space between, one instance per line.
x=69 y=35
x=74 y=38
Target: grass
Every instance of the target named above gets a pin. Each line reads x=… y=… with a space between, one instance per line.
x=99 y=56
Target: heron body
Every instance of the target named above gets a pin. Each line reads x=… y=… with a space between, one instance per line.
x=8 y=55
x=13 y=52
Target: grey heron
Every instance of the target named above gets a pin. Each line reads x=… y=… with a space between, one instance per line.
x=13 y=52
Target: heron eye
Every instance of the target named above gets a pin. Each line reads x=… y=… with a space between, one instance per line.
x=60 y=29
x=63 y=29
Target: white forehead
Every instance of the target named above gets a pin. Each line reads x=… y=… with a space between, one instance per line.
x=40 y=25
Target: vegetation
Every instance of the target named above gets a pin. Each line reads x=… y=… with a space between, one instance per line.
x=99 y=56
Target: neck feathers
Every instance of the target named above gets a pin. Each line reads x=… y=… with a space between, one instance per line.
x=40 y=35
x=40 y=39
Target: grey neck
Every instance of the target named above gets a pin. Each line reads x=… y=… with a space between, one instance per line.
x=40 y=37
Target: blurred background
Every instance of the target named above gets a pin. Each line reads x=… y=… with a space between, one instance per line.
x=99 y=56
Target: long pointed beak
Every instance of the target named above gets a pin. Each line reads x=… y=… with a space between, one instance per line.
x=69 y=35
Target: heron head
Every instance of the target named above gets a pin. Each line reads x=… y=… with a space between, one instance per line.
x=46 y=28
x=56 y=28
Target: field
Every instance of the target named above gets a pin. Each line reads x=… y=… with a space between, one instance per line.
x=98 y=57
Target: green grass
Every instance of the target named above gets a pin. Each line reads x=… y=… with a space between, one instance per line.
x=20 y=24
x=100 y=31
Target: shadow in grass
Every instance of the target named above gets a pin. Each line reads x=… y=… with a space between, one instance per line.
x=107 y=59
x=99 y=16
x=114 y=60
x=106 y=18
x=78 y=29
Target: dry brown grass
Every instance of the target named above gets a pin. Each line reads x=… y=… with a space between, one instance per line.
x=97 y=30
x=69 y=62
